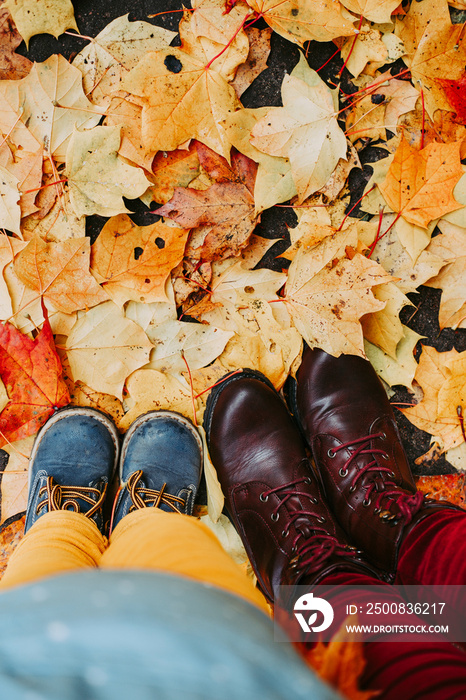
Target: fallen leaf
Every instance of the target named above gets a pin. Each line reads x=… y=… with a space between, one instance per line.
x=227 y=535
x=321 y=20
x=32 y=373
x=51 y=17
x=198 y=344
x=14 y=478
x=274 y=180
x=305 y=130
x=150 y=390
x=11 y=534
x=443 y=487
x=171 y=170
x=367 y=47
x=378 y=11
x=419 y=184
x=54 y=105
x=114 y=51
x=308 y=231
x=82 y=395
x=59 y=224
x=442 y=377
x=402 y=368
x=326 y=300
x=10 y=211
x=256 y=62
x=127 y=115
x=215 y=497
x=60 y=273
x=451 y=247
x=197 y=99
x=383 y=328
x=98 y=178
x=134 y=262
x=13 y=66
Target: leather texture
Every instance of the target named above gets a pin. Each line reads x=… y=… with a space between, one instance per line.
x=257 y=450
x=167 y=449
x=368 y=484
x=77 y=447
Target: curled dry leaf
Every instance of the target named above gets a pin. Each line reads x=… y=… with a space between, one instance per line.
x=451 y=247
x=402 y=368
x=134 y=262
x=14 y=478
x=32 y=373
x=50 y=17
x=256 y=62
x=104 y=348
x=59 y=272
x=171 y=170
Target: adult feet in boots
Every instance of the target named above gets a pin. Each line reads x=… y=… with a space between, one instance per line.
x=343 y=411
x=271 y=492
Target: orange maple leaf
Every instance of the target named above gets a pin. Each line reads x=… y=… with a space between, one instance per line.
x=419 y=184
x=32 y=373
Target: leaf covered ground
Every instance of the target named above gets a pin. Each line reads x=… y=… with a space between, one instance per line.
x=185 y=192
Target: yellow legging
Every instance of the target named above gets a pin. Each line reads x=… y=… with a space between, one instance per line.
x=64 y=541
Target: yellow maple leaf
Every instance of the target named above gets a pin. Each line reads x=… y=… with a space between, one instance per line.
x=419 y=184
x=451 y=247
x=378 y=11
x=48 y=17
x=133 y=262
x=327 y=293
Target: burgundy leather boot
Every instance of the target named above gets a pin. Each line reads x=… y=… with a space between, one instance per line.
x=271 y=493
x=345 y=415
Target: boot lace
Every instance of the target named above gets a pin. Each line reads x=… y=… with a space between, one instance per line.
x=407 y=504
x=311 y=551
x=67 y=498
x=143 y=497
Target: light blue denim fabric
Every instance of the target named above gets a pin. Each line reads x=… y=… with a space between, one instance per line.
x=114 y=635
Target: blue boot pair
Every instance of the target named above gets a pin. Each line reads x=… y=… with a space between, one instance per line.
x=77 y=452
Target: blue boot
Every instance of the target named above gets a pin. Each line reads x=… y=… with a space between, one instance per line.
x=160 y=465
x=72 y=462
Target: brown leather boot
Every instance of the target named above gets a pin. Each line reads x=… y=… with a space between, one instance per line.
x=345 y=415
x=271 y=492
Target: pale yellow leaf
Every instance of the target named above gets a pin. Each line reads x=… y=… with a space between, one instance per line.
x=45 y=17
x=14 y=491
x=215 y=498
x=383 y=328
x=10 y=211
x=402 y=368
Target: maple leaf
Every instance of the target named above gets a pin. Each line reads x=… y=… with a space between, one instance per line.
x=104 y=347
x=196 y=99
x=13 y=66
x=54 y=104
x=451 y=247
x=378 y=11
x=11 y=533
x=197 y=343
x=305 y=130
x=223 y=216
x=51 y=17
x=134 y=262
x=32 y=373
x=256 y=61
x=10 y=211
x=436 y=50
x=14 y=478
x=114 y=51
x=170 y=170
x=368 y=47
x=15 y=134
x=274 y=181
x=60 y=273
x=442 y=377
x=126 y=114
x=399 y=369
x=443 y=487
x=419 y=184
x=327 y=293
x=98 y=178
x=300 y=21
x=383 y=328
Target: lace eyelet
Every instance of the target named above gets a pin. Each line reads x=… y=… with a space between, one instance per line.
x=314 y=500
x=385 y=456
x=376 y=511
x=343 y=472
x=366 y=503
x=275 y=517
x=285 y=533
x=393 y=475
x=293 y=550
x=352 y=489
x=331 y=453
x=384 y=436
x=321 y=519
x=263 y=497
x=308 y=480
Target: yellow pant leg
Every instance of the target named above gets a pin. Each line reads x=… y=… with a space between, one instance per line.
x=154 y=539
x=58 y=542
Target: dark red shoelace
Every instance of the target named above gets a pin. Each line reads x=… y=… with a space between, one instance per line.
x=407 y=504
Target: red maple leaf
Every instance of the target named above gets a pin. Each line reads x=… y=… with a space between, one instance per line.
x=32 y=373
x=455 y=91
